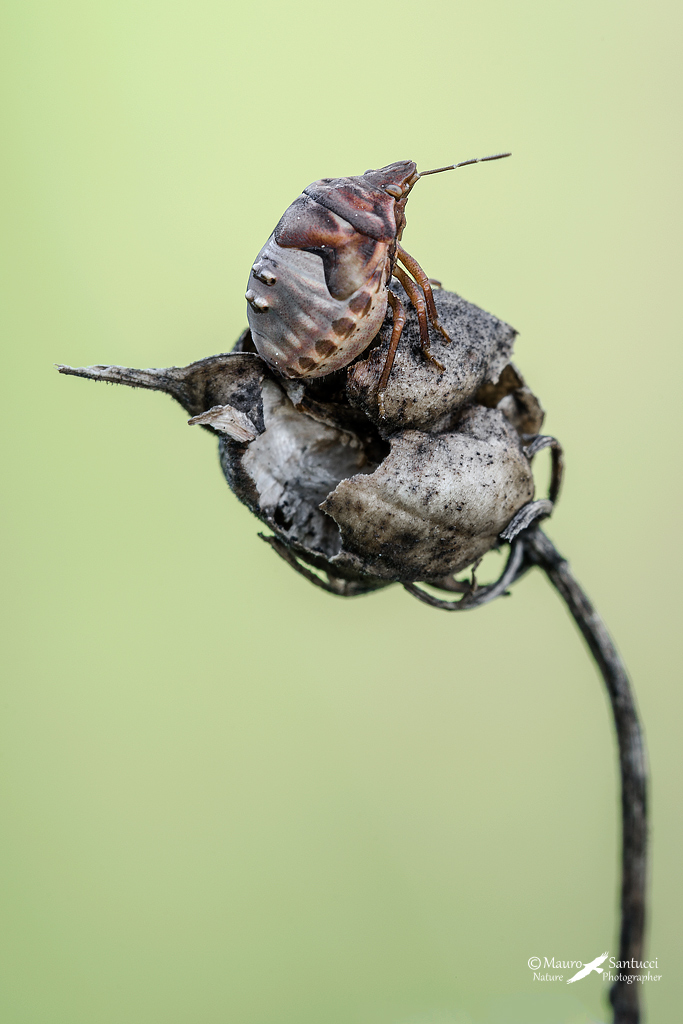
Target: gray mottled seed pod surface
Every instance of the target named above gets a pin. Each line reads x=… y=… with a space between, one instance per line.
x=436 y=502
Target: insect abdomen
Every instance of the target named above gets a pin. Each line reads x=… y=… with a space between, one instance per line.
x=296 y=324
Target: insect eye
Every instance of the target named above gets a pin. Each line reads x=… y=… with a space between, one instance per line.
x=394 y=190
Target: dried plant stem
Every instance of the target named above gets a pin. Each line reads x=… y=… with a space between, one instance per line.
x=632 y=763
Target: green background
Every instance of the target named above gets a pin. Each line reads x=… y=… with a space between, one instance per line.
x=229 y=797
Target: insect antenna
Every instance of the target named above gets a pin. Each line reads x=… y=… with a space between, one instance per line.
x=465 y=163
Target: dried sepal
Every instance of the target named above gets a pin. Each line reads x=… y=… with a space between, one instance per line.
x=437 y=502
x=226 y=419
x=230 y=379
x=330 y=581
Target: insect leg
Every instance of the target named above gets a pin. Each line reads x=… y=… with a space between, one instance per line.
x=413 y=293
x=399 y=323
x=418 y=273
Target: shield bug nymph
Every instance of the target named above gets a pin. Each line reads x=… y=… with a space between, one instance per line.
x=319 y=289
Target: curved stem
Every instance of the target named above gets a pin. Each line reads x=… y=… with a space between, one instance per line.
x=632 y=763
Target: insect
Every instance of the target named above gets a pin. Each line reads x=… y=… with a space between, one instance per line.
x=319 y=289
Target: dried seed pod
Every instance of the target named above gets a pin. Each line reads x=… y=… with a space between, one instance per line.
x=416 y=495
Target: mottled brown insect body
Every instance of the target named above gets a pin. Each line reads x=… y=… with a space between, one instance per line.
x=318 y=291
